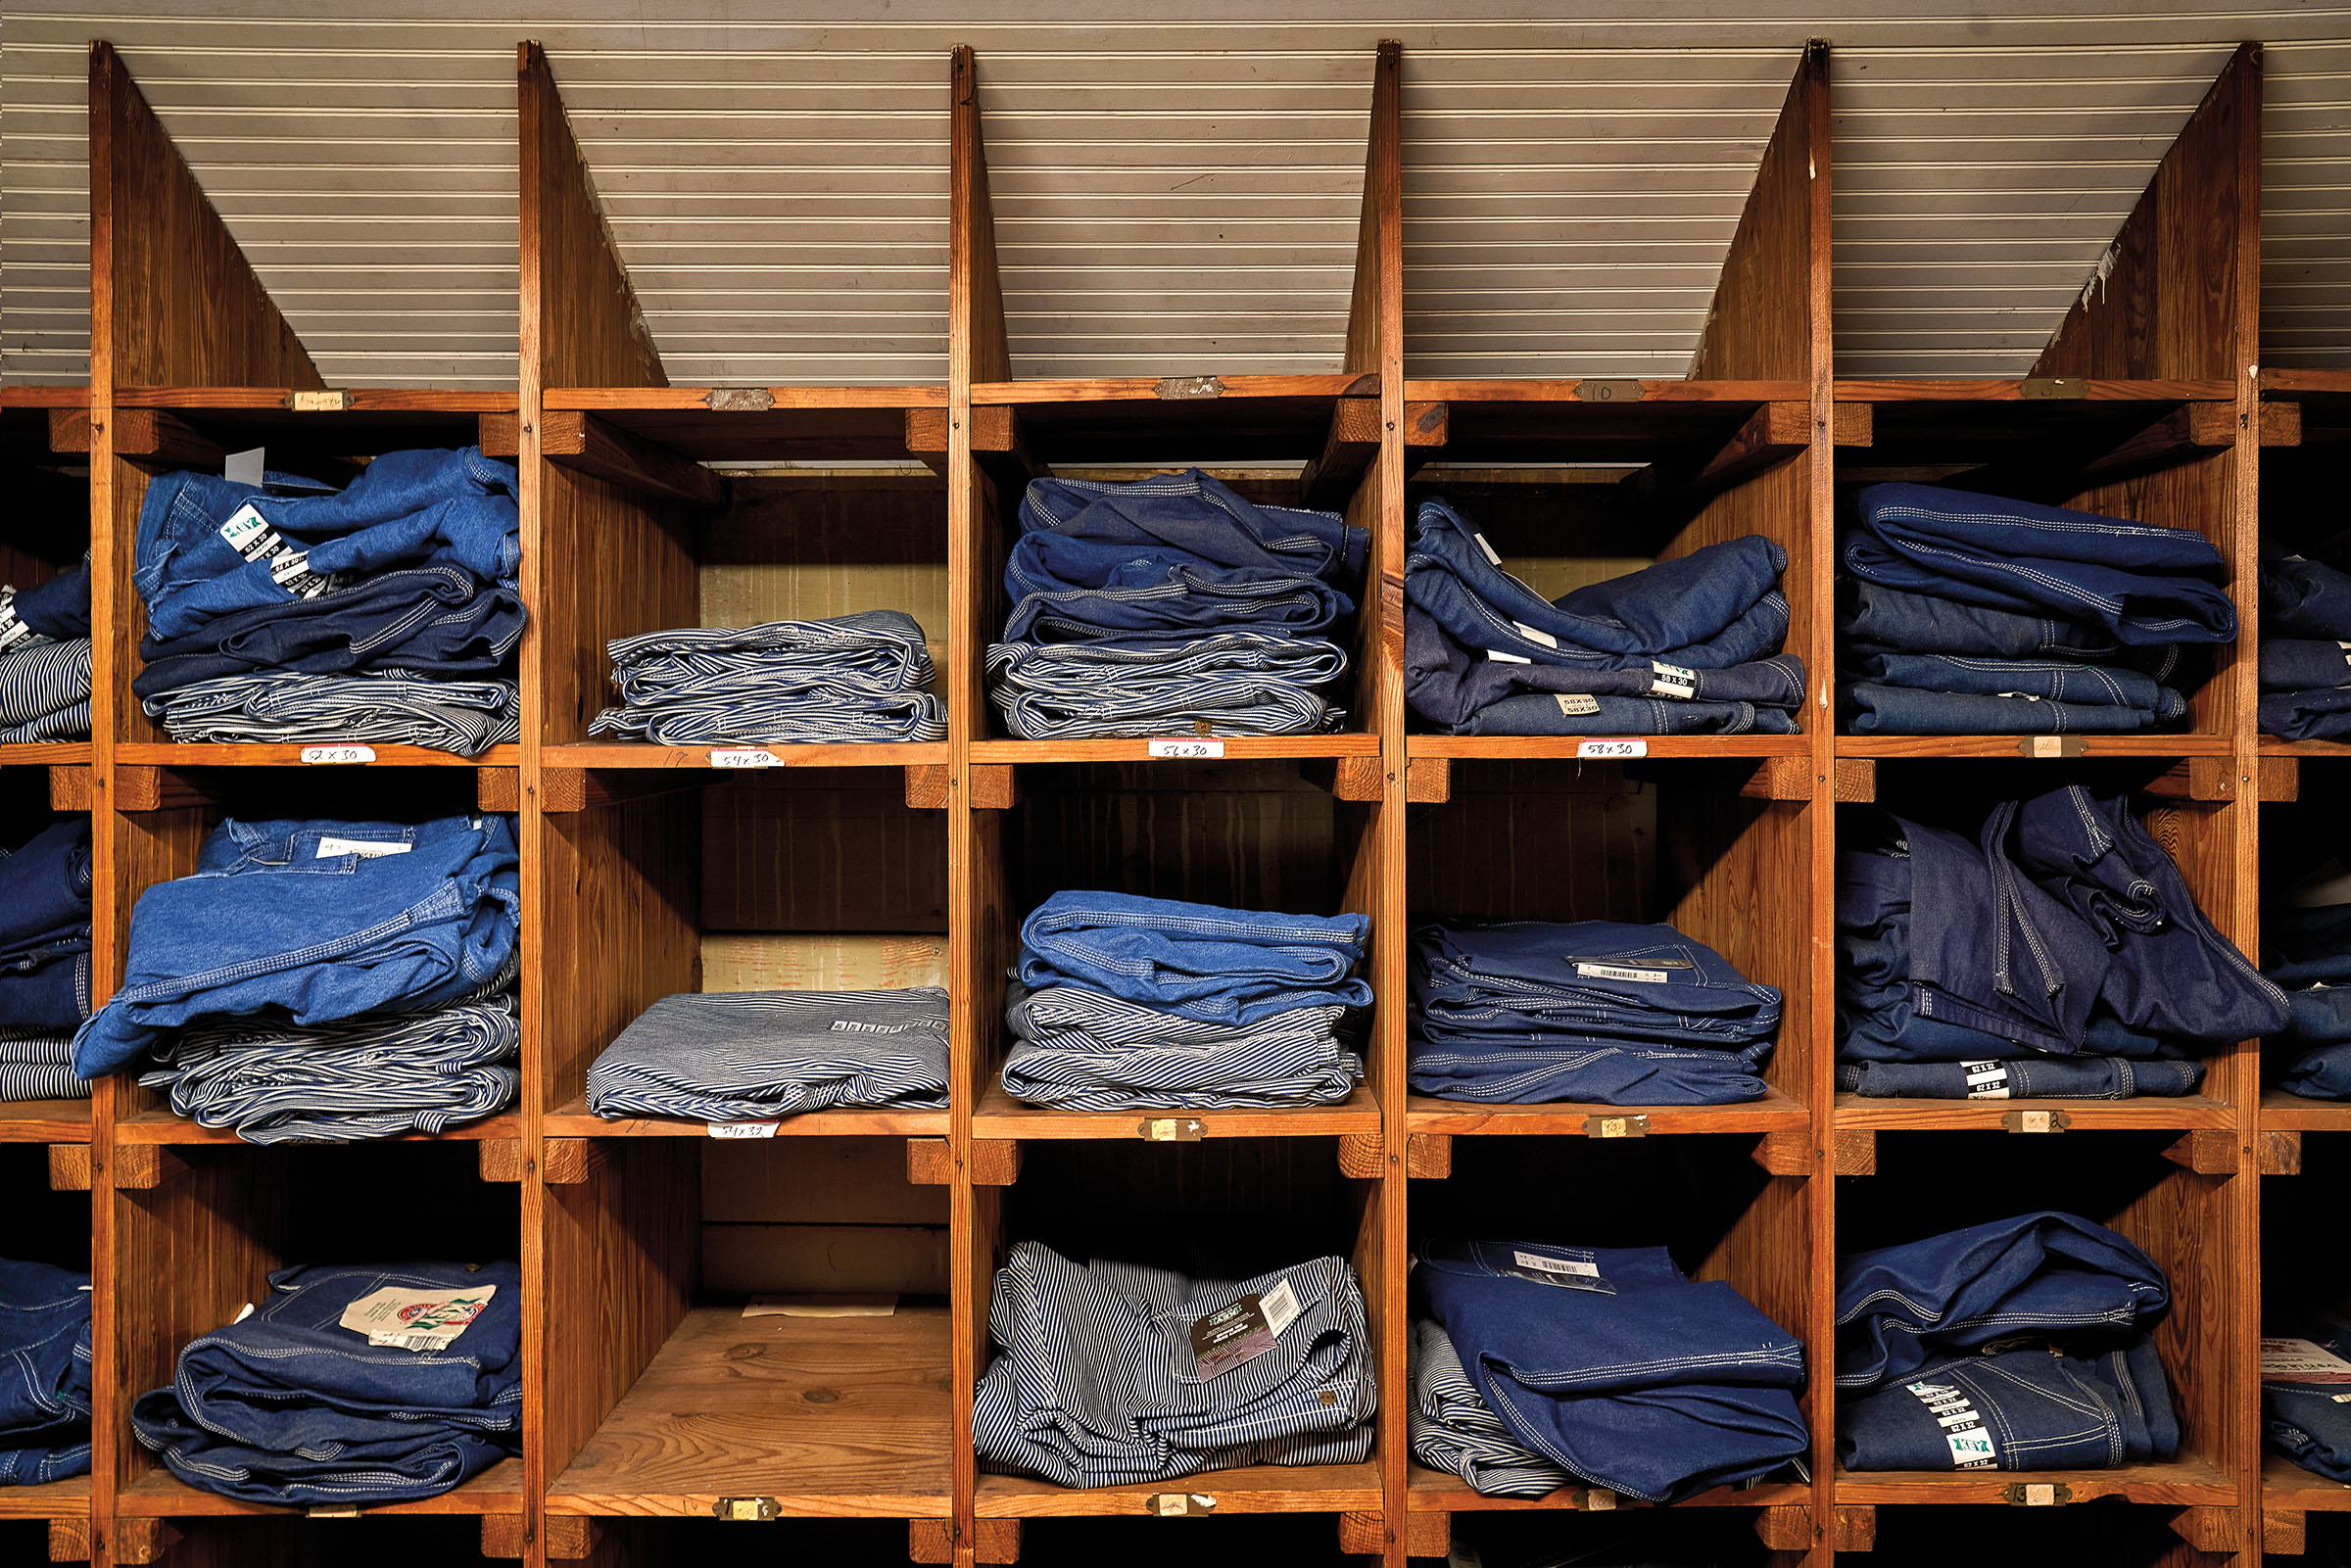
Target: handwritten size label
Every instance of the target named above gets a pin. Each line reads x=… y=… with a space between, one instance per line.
x=1607 y=750
x=744 y=757
x=337 y=756
x=1184 y=750
x=742 y=1129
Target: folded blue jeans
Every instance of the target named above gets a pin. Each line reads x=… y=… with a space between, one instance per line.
x=759 y=1056
x=45 y=896
x=1452 y=1430
x=2305 y=1372
x=1568 y=713
x=2304 y=599
x=44 y=1373
x=2024 y=1409
x=1236 y=682
x=1521 y=979
x=1877 y=619
x=1191 y=513
x=1178 y=604
x=2070 y=1077
x=1083 y=1050
x=2107 y=686
x=58 y=608
x=2053 y=1276
x=1874 y=709
x=1450 y=684
x=2321 y=713
x=1201 y=960
x=2304 y=664
x=1587 y=1071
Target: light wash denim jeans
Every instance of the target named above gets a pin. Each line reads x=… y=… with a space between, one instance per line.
x=1200 y=961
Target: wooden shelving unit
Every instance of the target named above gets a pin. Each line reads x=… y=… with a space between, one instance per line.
x=650 y=1400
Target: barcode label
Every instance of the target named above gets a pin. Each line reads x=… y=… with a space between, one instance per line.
x=409 y=1341
x=1613 y=971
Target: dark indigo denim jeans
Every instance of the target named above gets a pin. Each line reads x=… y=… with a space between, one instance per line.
x=44 y=1373
x=2023 y=1409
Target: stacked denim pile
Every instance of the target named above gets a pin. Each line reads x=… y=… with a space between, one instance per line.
x=386 y=612
x=325 y=980
x=1170 y=606
x=756 y=1056
x=1978 y=615
x=2306 y=949
x=2055 y=951
x=2305 y=650
x=1111 y=1373
x=1532 y=1363
x=1127 y=1003
x=45 y=659
x=2019 y=1345
x=2305 y=1372
x=1687 y=646
x=1525 y=1012
x=349 y=1385
x=44 y=1374
x=864 y=677
x=44 y=960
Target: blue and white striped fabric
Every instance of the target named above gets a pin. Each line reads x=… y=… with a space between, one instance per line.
x=1083 y=1050
x=45 y=692
x=757 y=1055
x=1236 y=682
x=1453 y=1429
x=1094 y=1382
x=386 y=707
x=374 y=1076
x=854 y=678
x=39 y=1067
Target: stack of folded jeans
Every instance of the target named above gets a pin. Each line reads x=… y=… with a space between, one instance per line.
x=2056 y=952
x=386 y=612
x=1525 y=1012
x=380 y=1383
x=2018 y=1345
x=44 y=960
x=2305 y=650
x=1129 y=1003
x=1172 y=606
x=45 y=659
x=2306 y=950
x=1534 y=1362
x=864 y=677
x=1978 y=615
x=2305 y=1372
x=1687 y=646
x=44 y=1374
x=756 y=1056
x=325 y=979
x=1108 y=1374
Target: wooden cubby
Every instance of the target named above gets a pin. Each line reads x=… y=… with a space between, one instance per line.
x=649 y=1400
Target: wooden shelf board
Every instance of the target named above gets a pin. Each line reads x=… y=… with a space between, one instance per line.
x=163 y=1127
x=45 y=396
x=2176 y=1483
x=573 y=1120
x=1654 y=389
x=813 y=425
x=55 y=1499
x=1237 y=749
x=1857 y=1112
x=159 y=1494
x=1276 y=420
x=828 y=1416
x=2004 y=746
x=1146 y=389
x=1441 y=1491
x=2287 y=1484
x=788 y=399
x=360 y=399
x=197 y=754
x=2285 y=1112
x=44 y=1121
x=1504 y=423
x=999 y=1116
x=2301 y=384
x=1971 y=389
x=47 y=754
x=2271 y=746
x=1537 y=748
x=641 y=754
x=1254 y=1488
x=1776 y=1112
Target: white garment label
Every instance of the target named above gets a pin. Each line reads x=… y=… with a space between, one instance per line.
x=2293 y=1361
x=1534 y=636
x=1612 y=971
x=1497 y=657
x=742 y=757
x=416 y=1319
x=364 y=848
x=1576 y=704
x=1556 y=1266
x=12 y=630
x=248 y=468
x=249 y=535
x=1491 y=556
x=1184 y=750
x=242 y=1315
x=1671 y=681
x=1281 y=1307
x=743 y=1129
x=337 y=756
x=1605 y=751
x=1962 y=1430
x=1568 y=1273
x=1986 y=1080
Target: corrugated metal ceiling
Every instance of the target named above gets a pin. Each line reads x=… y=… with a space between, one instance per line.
x=1171 y=195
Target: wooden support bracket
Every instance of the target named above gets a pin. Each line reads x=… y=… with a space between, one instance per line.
x=1853 y=1151
x=2282 y=1534
x=995 y=1541
x=2281 y=779
x=497 y=788
x=930 y=1162
x=72 y=789
x=2205 y=779
x=146 y=1166
x=1425 y=1535
x=1853 y=1528
x=1780 y=778
x=1427 y=780
x=993 y=786
x=139 y=788
x=1363 y=1156
x=151 y=435
x=139 y=1543
x=69 y=1540
x=995 y=1161
x=998 y=444
x=69 y=1168
x=930 y=1541
x=1785 y=1153
x=2211 y=1529
x=579 y=789
x=585 y=444
x=1785 y=1528
x=1428 y=1155
x=1347 y=777
x=1854 y=779
x=570 y=1535
x=505 y=1534
x=2206 y=1150
x=1350 y=447
x=569 y=1161
x=497 y=1159
x=2277 y=1153
x=929 y=784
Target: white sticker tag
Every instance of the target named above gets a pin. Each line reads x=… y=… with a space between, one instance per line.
x=1986 y=1080
x=249 y=467
x=1671 y=681
x=337 y=756
x=364 y=848
x=248 y=534
x=744 y=757
x=743 y=1129
x=1556 y=1266
x=1962 y=1430
x=1497 y=657
x=12 y=630
x=1672 y=672
x=242 y=1315
x=1576 y=704
x=1281 y=1307
x=1607 y=750
x=1612 y=971
x=1491 y=556
x=2295 y=1360
x=1532 y=634
x=1184 y=750
x=416 y=1319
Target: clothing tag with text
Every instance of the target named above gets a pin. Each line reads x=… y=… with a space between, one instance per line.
x=1243 y=1331
x=416 y=1319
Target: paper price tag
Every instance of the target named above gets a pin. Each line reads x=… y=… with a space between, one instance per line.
x=1609 y=750
x=336 y=757
x=2296 y=1360
x=744 y=757
x=1184 y=750
x=1573 y=1274
x=743 y=1129
x=1618 y=972
x=364 y=848
x=416 y=1319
